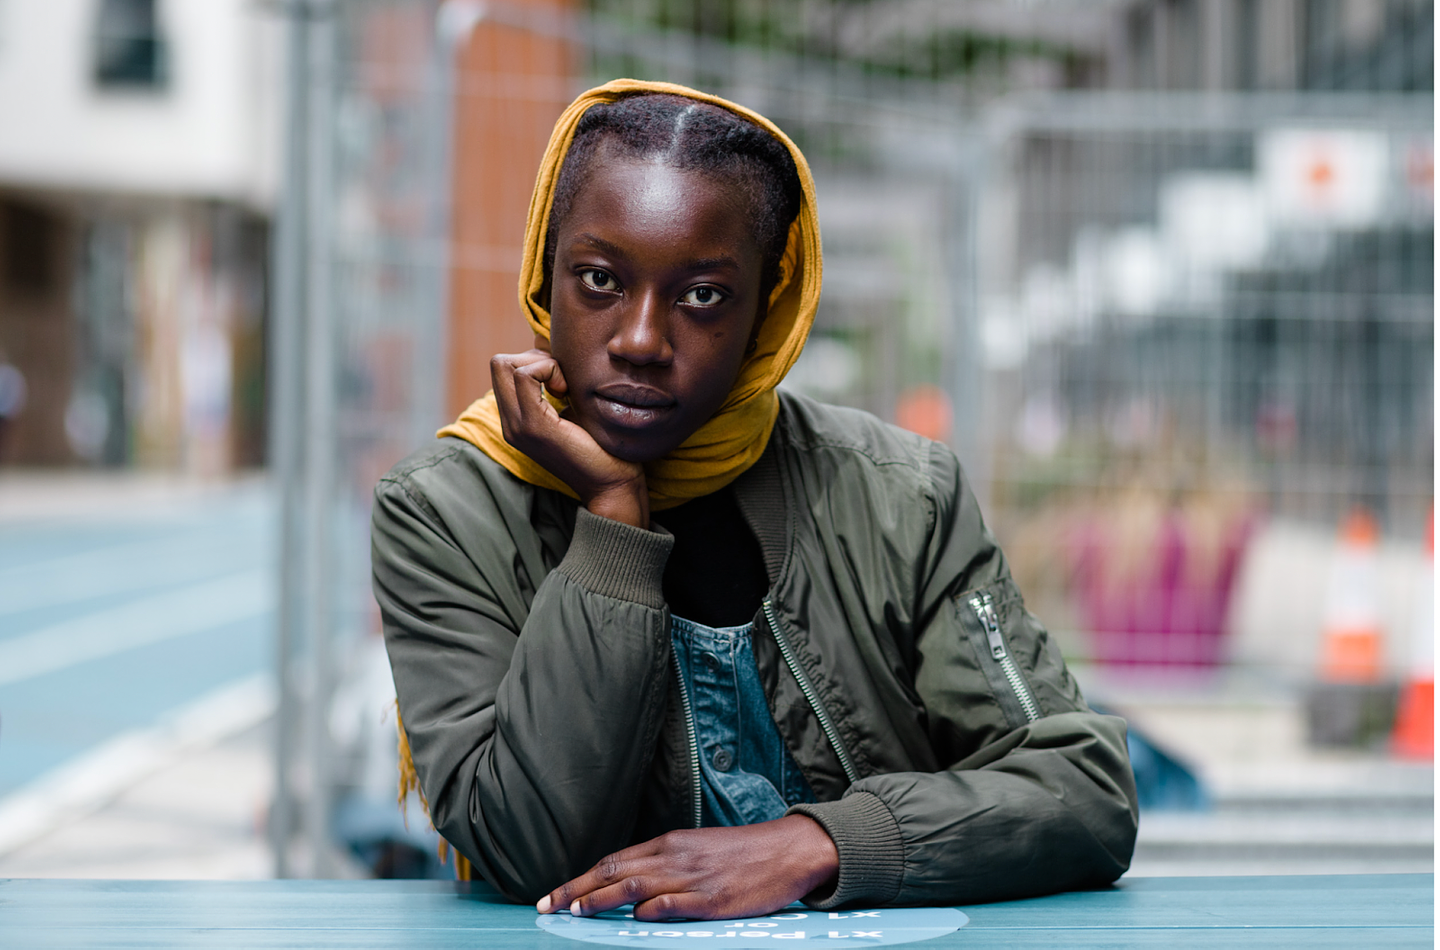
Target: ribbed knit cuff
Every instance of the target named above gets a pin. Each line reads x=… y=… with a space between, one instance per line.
x=872 y=855
x=617 y=560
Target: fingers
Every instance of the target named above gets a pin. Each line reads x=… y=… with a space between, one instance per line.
x=546 y=371
x=537 y=363
x=704 y=874
x=531 y=424
x=690 y=904
x=633 y=889
x=502 y=380
x=505 y=366
x=519 y=381
x=608 y=873
x=530 y=404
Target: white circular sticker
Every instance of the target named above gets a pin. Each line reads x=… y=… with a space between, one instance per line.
x=840 y=928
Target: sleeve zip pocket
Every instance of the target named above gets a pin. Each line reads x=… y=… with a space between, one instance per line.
x=984 y=607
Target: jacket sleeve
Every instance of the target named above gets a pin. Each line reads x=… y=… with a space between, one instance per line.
x=515 y=717
x=1037 y=795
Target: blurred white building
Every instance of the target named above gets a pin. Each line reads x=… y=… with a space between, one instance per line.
x=135 y=183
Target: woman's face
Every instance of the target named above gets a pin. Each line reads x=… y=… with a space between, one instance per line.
x=653 y=301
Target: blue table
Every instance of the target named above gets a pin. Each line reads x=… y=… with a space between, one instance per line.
x=1380 y=910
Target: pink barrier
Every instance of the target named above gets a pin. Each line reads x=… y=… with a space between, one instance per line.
x=1159 y=600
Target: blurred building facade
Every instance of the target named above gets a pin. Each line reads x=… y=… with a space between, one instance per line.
x=135 y=191
x=514 y=74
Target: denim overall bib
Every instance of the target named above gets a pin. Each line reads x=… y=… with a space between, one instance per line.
x=747 y=774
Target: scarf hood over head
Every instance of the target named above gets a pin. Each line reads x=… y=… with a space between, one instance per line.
x=734 y=438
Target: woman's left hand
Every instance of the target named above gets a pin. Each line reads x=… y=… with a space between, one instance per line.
x=707 y=873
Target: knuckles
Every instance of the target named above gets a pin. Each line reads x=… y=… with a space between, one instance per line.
x=634 y=889
x=609 y=868
x=512 y=364
x=687 y=850
x=503 y=365
x=676 y=842
x=664 y=907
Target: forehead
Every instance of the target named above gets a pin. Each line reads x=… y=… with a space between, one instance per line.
x=648 y=205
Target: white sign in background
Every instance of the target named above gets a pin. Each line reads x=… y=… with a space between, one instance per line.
x=1324 y=177
x=845 y=928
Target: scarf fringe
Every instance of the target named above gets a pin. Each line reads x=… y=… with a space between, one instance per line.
x=410 y=782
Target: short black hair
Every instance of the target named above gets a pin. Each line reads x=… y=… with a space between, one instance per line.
x=688 y=134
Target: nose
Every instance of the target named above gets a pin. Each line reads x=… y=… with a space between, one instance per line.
x=642 y=337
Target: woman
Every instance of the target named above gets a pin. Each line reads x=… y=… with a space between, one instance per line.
x=661 y=635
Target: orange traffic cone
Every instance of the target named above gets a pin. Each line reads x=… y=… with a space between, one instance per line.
x=1352 y=646
x=1414 y=733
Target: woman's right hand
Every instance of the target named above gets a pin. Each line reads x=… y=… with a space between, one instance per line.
x=607 y=486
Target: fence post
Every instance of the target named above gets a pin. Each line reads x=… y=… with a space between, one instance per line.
x=286 y=404
x=302 y=425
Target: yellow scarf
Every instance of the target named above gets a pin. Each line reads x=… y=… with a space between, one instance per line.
x=734 y=438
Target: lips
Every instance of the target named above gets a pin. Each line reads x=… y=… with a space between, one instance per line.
x=633 y=405
x=635 y=394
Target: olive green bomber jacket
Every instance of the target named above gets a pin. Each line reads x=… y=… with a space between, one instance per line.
x=952 y=755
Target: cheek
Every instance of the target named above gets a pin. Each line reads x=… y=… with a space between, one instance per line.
x=560 y=343
x=722 y=369
x=567 y=341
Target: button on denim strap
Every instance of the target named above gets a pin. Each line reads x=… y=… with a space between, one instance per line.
x=747 y=773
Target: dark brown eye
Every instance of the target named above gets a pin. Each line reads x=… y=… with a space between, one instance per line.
x=597 y=279
x=702 y=297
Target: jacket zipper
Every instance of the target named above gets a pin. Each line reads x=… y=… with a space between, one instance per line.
x=984 y=607
x=811 y=696
x=690 y=739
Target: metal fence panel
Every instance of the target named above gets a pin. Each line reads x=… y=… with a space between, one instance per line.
x=1198 y=310
x=361 y=264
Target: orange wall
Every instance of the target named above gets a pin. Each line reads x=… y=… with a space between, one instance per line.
x=511 y=85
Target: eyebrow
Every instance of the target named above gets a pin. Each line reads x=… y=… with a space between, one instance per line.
x=703 y=263
x=710 y=263
x=601 y=244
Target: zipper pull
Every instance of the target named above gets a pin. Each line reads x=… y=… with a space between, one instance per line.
x=984 y=609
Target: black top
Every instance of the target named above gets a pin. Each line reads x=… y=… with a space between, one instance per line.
x=716 y=572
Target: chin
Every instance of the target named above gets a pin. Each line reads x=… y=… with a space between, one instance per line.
x=635 y=450
x=628 y=445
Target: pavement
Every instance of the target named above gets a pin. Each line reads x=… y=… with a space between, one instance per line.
x=1276 y=804
x=135 y=650
x=199 y=817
